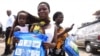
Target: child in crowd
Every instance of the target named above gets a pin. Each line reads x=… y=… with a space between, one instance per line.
x=22 y=24
x=61 y=35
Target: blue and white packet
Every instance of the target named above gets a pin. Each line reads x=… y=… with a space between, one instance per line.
x=30 y=44
x=70 y=47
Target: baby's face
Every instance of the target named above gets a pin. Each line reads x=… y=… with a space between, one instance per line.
x=22 y=17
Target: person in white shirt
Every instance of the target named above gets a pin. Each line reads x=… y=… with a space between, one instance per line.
x=9 y=24
x=10 y=20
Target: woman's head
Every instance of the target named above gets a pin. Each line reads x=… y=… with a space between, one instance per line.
x=58 y=17
x=43 y=10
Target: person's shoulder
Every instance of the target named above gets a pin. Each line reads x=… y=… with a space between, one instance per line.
x=52 y=23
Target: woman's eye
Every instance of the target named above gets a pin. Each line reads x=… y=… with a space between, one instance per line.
x=42 y=9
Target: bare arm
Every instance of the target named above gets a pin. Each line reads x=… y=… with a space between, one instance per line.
x=15 y=40
x=66 y=30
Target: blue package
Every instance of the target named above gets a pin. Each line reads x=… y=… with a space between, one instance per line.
x=70 y=47
x=29 y=44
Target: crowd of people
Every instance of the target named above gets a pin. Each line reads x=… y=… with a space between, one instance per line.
x=24 y=22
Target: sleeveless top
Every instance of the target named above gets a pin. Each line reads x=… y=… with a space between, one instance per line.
x=23 y=28
x=50 y=33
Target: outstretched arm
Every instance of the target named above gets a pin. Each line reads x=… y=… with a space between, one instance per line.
x=66 y=30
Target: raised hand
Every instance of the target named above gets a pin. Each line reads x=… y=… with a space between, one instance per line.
x=70 y=28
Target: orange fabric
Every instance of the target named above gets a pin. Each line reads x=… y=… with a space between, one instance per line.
x=60 y=39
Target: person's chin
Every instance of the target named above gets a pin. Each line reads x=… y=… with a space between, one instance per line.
x=42 y=17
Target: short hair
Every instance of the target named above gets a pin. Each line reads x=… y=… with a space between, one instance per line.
x=56 y=15
x=8 y=10
x=45 y=4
